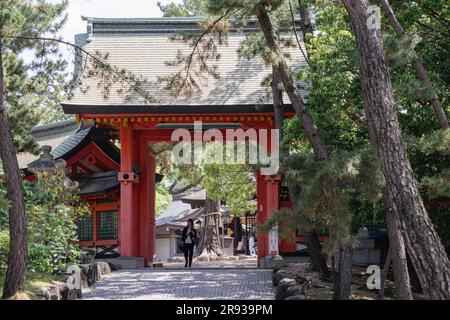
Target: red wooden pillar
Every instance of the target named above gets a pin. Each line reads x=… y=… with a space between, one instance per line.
x=272 y=204
x=147 y=203
x=288 y=244
x=268 y=201
x=128 y=232
x=261 y=214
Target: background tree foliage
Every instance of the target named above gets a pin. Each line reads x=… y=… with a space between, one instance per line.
x=53 y=210
x=52 y=214
x=334 y=96
x=34 y=88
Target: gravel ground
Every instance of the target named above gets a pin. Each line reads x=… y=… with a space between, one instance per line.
x=175 y=284
x=245 y=263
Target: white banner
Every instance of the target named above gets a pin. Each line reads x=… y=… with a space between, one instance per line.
x=273 y=241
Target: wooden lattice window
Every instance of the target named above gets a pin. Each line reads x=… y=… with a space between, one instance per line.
x=107 y=225
x=86 y=228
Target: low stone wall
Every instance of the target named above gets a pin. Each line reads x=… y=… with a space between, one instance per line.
x=90 y=274
x=294 y=282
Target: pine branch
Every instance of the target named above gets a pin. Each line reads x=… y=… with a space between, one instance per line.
x=172 y=80
x=296 y=34
x=105 y=65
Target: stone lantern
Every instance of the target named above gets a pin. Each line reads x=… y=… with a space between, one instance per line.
x=46 y=163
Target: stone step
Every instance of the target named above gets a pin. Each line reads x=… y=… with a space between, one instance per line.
x=131 y=263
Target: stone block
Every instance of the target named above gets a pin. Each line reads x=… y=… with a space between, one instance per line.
x=281 y=291
x=130 y=263
x=50 y=292
x=281 y=274
x=103 y=267
x=366 y=243
x=374 y=256
x=363 y=234
x=292 y=291
x=366 y=256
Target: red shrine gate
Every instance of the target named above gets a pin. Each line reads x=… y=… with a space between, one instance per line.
x=150 y=124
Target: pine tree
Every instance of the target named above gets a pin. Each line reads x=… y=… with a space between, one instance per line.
x=20 y=87
x=427 y=253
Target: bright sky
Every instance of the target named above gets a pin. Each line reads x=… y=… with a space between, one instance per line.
x=103 y=9
x=107 y=9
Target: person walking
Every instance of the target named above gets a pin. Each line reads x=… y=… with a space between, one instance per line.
x=188 y=238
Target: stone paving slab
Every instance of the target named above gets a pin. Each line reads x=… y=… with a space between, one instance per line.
x=179 y=284
x=245 y=263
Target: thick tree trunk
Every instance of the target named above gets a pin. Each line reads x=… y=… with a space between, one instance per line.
x=318 y=258
x=282 y=69
x=209 y=239
x=16 y=273
x=397 y=250
x=418 y=66
x=316 y=254
x=343 y=282
x=423 y=244
x=300 y=108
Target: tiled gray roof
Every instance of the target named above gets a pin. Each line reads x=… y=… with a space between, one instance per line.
x=196 y=196
x=97 y=183
x=52 y=134
x=145 y=53
x=70 y=143
x=50 y=130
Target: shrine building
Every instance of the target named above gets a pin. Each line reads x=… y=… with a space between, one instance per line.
x=110 y=154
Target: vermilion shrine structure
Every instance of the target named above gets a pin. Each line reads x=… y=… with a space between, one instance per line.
x=233 y=101
x=137 y=174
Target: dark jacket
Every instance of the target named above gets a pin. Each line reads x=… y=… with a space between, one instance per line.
x=193 y=235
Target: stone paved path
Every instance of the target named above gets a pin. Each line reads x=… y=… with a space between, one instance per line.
x=174 y=284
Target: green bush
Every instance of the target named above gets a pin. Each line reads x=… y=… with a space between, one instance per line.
x=440 y=216
x=4 y=247
x=52 y=213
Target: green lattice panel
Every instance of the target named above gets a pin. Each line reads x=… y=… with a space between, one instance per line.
x=107 y=224
x=85 y=228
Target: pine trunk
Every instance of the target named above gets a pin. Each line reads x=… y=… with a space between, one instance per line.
x=299 y=106
x=343 y=282
x=16 y=273
x=422 y=242
x=397 y=251
x=318 y=258
x=277 y=96
x=316 y=254
x=418 y=66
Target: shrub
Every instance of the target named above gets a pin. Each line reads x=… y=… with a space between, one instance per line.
x=4 y=247
x=52 y=213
